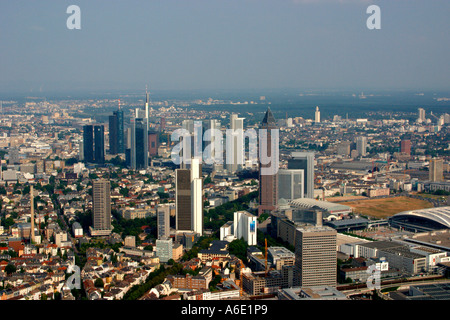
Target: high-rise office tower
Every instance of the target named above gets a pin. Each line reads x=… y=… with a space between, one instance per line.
x=101 y=207
x=116 y=133
x=153 y=143
x=99 y=144
x=236 y=159
x=245 y=227
x=290 y=184
x=304 y=161
x=196 y=196
x=162 y=123
x=405 y=146
x=163 y=249
x=13 y=154
x=147 y=101
x=343 y=148
x=361 y=146
x=421 y=118
x=436 y=170
x=215 y=159
x=94 y=143
x=183 y=199
x=188 y=145
x=88 y=143
x=139 y=144
x=268 y=183
x=317 y=115
x=32 y=213
x=189 y=198
x=163 y=220
x=315 y=256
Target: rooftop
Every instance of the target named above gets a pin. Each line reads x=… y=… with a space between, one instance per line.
x=324 y=205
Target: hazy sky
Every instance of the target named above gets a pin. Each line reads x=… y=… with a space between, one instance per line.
x=226 y=44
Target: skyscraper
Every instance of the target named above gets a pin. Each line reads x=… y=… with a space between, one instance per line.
x=183 y=199
x=361 y=146
x=421 y=117
x=139 y=144
x=268 y=183
x=94 y=143
x=153 y=143
x=304 y=161
x=163 y=220
x=188 y=145
x=147 y=101
x=436 y=169
x=245 y=227
x=32 y=213
x=189 y=198
x=315 y=256
x=164 y=249
x=101 y=207
x=317 y=115
x=236 y=159
x=196 y=196
x=405 y=146
x=13 y=154
x=290 y=184
x=116 y=133
x=88 y=143
x=99 y=144
x=215 y=158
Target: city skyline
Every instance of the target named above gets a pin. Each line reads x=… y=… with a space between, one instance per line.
x=250 y=151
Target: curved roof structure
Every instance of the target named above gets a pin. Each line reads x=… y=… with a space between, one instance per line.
x=307 y=203
x=439 y=217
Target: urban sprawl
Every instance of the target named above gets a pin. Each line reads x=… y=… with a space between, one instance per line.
x=92 y=206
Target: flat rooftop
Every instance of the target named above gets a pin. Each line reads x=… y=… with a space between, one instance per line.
x=439 y=239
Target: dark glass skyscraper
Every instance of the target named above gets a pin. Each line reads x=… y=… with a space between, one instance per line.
x=99 y=144
x=88 y=143
x=139 y=143
x=94 y=143
x=116 y=133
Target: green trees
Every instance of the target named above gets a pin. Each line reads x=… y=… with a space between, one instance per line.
x=153 y=279
x=10 y=269
x=238 y=247
x=99 y=283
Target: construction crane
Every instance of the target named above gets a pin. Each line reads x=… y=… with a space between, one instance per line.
x=266 y=256
x=240 y=277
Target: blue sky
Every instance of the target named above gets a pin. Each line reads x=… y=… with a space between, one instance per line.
x=224 y=44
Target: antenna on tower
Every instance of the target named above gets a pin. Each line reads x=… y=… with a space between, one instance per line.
x=119 y=104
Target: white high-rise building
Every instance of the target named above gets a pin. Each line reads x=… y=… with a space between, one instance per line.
x=361 y=146
x=214 y=147
x=164 y=249
x=163 y=220
x=245 y=226
x=196 y=197
x=236 y=159
x=421 y=117
x=317 y=115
